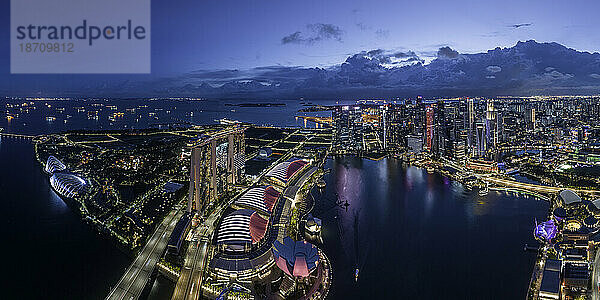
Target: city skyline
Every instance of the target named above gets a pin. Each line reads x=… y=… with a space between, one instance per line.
x=255 y=206
x=299 y=150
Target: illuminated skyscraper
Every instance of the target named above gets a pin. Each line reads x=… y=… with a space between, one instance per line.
x=470 y=125
x=491 y=129
x=348 y=127
x=530 y=118
x=395 y=127
x=429 y=128
x=480 y=139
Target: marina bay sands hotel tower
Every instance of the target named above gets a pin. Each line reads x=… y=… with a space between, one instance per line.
x=217 y=164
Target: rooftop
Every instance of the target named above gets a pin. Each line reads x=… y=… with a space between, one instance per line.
x=569 y=197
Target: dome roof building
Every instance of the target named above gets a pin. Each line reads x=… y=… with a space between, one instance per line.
x=68 y=185
x=54 y=165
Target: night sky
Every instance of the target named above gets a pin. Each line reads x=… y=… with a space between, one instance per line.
x=214 y=35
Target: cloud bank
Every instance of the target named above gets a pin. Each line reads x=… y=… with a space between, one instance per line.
x=314 y=33
x=447 y=52
x=528 y=68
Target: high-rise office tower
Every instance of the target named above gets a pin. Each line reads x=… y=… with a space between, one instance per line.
x=530 y=118
x=491 y=126
x=348 y=127
x=480 y=139
x=470 y=125
x=394 y=127
x=429 y=128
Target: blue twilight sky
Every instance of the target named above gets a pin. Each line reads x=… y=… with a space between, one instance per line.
x=190 y=35
x=242 y=34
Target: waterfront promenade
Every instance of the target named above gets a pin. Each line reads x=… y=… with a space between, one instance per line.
x=536 y=188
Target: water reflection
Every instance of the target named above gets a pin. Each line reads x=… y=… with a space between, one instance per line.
x=405 y=229
x=348 y=183
x=44 y=235
x=56 y=203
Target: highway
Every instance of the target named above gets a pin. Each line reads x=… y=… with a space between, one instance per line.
x=189 y=285
x=596 y=277
x=191 y=275
x=132 y=283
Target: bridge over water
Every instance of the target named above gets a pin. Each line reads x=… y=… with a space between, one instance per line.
x=17 y=136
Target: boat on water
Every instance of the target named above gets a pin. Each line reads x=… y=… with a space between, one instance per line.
x=356 y=275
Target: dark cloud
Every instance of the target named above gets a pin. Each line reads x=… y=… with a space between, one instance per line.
x=375 y=52
x=315 y=33
x=215 y=74
x=408 y=57
x=295 y=37
x=405 y=54
x=385 y=57
x=520 y=25
x=326 y=31
x=550 y=69
x=447 y=52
